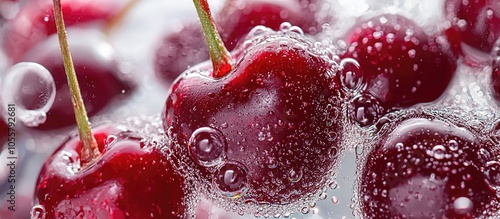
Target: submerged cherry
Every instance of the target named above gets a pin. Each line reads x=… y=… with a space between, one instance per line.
x=428 y=168
x=102 y=81
x=261 y=126
x=35 y=22
x=401 y=65
x=107 y=172
x=476 y=23
x=185 y=48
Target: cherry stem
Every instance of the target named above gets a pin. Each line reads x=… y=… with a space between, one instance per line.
x=221 y=59
x=90 y=150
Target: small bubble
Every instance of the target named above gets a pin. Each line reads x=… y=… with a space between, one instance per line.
x=453 y=145
x=335 y=200
x=37 y=212
x=295 y=175
x=285 y=26
x=231 y=179
x=207 y=146
x=31 y=87
x=271 y=163
x=333 y=184
x=463 y=205
x=261 y=136
x=439 y=151
x=305 y=210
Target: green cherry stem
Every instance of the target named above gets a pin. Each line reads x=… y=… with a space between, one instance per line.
x=221 y=59
x=90 y=150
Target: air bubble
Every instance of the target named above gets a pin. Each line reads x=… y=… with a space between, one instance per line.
x=231 y=179
x=305 y=210
x=272 y=163
x=37 y=212
x=207 y=147
x=285 y=26
x=351 y=76
x=439 y=151
x=492 y=174
x=295 y=175
x=453 y=145
x=463 y=205
x=364 y=110
x=335 y=200
x=32 y=89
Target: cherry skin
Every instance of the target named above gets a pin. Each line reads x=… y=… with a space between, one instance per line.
x=271 y=122
x=401 y=64
x=186 y=47
x=475 y=23
x=129 y=180
x=427 y=168
x=35 y=22
x=101 y=81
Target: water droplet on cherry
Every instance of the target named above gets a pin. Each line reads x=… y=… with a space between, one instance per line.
x=295 y=175
x=26 y=82
x=231 y=179
x=207 y=147
x=463 y=205
x=37 y=212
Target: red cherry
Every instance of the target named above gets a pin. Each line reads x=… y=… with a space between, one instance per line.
x=475 y=23
x=187 y=47
x=271 y=122
x=101 y=79
x=401 y=65
x=428 y=168
x=129 y=180
x=35 y=21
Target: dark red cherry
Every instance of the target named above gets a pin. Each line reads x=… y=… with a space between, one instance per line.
x=271 y=122
x=97 y=67
x=187 y=47
x=401 y=65
x=475 y=23
x=35 y=21
x=428 y=168
x=129 y=180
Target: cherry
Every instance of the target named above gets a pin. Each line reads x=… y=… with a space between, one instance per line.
x=97 y=65
x=428 y=168
x=129 y=180
x=186 y=47
x=401 y=64
x=35 y=21
x=108 y=172
x=261 y=126
x=475 y=23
